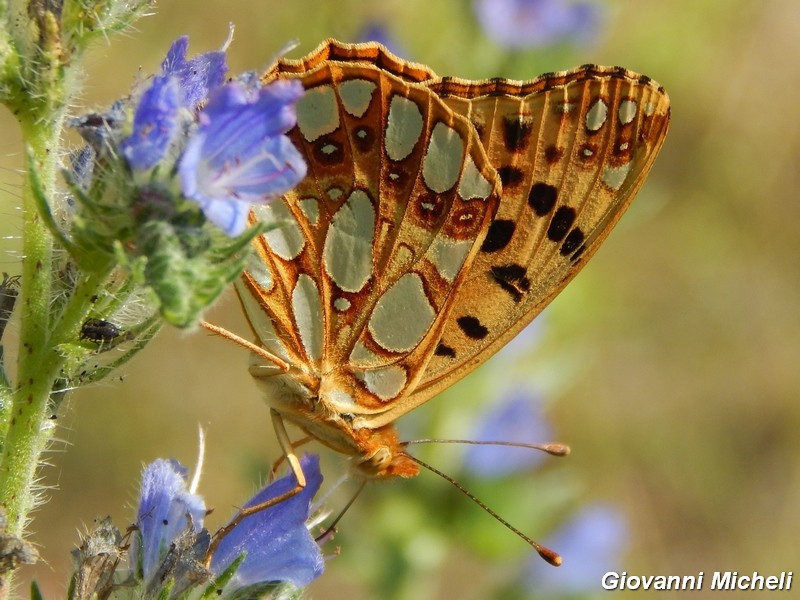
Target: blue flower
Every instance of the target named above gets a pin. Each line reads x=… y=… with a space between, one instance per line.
x=278 y=544
x=591 y=544
x=239 y=156
x=533 y=23
x=518 y=418
x=162 y=517
x=198 y=76
x=155 y=124
x=234 y=155
x=182 y=84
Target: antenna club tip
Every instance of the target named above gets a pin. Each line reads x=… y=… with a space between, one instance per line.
x=550 y=556
x=557 y=449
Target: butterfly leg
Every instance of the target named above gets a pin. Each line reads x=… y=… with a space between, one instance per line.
x=294 y=465
x=296 y=444
x=288 y=453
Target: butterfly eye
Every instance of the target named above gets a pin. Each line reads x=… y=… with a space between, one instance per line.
x=376 y=463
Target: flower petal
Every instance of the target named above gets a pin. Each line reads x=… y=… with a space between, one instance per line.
x=592 y=544
x=198 y=76
x=155 y=124
x=228 y=215
x=278 y=544
x=163 y=506
x=518 y=418
x=531 y=23
x=239 y=153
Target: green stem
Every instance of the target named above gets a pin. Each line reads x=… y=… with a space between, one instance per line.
x=41 y=332
x=27 y=437
x=39 y=368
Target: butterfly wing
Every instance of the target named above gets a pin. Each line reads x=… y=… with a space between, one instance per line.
x=351 y=285
x=572 y=150
x=377 y=286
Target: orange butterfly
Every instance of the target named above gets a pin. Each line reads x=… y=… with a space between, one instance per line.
x=438 y=218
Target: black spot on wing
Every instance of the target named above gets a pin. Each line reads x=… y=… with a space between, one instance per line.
x=578 y=253
x=542 y=198
x=561 y=223
x=513 y=279
x=510 y=176
x=364 y=139
x=498 y=236
x=328 y=150
x=472 y=327
x=516 y=134
x=443 y=349
x=573 y=240
x=553 y=154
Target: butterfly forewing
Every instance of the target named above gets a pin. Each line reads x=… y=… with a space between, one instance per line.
x=356 y=276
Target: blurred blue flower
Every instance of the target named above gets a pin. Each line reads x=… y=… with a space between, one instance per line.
x=198 y=76
x=278 y=544
x=532 y=23
x=517 y=418
x=155 y=124
x=592 y=544
x=524 y=342
x=164 y=505
x=374 y=31
x=239 y=155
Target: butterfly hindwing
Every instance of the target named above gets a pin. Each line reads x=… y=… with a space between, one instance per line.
x=572 y=149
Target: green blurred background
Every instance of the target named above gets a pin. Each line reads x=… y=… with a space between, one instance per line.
x=670 y=365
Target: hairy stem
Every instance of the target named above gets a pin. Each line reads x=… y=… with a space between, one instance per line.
x=25 y=416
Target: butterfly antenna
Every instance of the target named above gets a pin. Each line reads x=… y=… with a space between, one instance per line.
x=255 y=349
x=332 y=527
x=554 y=448
x=548 y=555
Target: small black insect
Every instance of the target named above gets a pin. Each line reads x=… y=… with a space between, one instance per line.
x=100 y=331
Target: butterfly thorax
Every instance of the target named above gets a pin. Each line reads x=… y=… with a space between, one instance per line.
x=312 y=403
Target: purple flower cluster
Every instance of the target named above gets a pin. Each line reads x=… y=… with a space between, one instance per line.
x=276 y=543
x=227 y=140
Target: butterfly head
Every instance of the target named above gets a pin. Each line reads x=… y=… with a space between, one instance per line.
x=381 y=456
x=316 y=408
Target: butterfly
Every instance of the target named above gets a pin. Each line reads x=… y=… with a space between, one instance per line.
x=439 y=216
